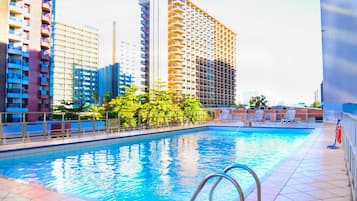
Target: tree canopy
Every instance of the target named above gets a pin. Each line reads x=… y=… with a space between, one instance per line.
x=258 y=101
x=155 y=108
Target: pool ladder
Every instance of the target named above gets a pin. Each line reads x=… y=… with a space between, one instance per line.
x=224 y=175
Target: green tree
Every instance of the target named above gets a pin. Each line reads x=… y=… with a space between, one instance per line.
x=126 y=105
x=107 y=97
x=95 y=97
x=316 y=104
x=70 y=108
x=258 y=101
x=192 y=109
x=160 y=109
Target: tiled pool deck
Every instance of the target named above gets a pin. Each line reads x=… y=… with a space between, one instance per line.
x=312 y=173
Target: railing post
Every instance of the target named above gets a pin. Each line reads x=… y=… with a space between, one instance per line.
x=307 y=115
x=106 y=122
x=79 y=122
x=118 y=122
x=44 y=125
x=94 y=122
x=139 y=121
x=62 y=123
x=1 y=130
x=23 y=126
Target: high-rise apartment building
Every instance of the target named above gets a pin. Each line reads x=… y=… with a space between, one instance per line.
x=25 y=33
x=189 y=49
x=129 y=59
x=75 y=64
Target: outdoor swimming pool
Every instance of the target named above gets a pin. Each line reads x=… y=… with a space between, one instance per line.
x=159 y=168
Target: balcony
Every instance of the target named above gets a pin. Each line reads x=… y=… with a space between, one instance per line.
x=15 y=35
x=14 y=48
x=14 y=63
x=175 y=31
x=16 y=7
x=43 y=94
x=144 y=35
x=44 y=81
x=175 y=52
x=144 y=15
x=176 y=44
x=144 y=49
x=144 y=42
x=15 y=21
x=144 y=28
x=144 y=22
x=144 y=62
x=176 y=37
x=17 y=78
x=45 y=55
x=177 y=16
x=46 y=18
x=26 y=25
x=175 y=74
x=178 y=2
x=45 y=42
x=44 y=68
x=176 y=67
x=177 y=9
x=176 y=23
x=45 y=31
x=145 y=55
x=46 y=6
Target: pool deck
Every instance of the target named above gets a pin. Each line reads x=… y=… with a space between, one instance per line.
x=312 y=173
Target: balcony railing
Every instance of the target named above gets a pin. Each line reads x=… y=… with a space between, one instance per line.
x=16 y=90
x=15 y=61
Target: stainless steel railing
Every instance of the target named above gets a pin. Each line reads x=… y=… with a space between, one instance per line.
x=349 y=133
x=224 y=175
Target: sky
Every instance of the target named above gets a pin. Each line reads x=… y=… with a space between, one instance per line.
x=278 y=41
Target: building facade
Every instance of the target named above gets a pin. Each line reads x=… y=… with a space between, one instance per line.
x=129 y=59
x=201 y=59
x=25 y=43
x=339 y=31
x=75 y=64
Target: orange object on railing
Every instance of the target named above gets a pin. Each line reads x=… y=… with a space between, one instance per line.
x=339 y=134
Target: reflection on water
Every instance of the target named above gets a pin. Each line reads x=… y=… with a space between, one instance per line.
x=159 y=169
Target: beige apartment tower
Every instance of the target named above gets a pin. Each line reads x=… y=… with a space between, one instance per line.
x=201 y=51
x=75 y=64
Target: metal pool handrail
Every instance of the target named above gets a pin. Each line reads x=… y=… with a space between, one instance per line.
x=240 y=166
x=220 y=175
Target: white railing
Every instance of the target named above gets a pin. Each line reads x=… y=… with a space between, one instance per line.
x=349 y=132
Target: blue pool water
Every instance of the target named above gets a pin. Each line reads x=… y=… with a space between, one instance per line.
x=162 y=168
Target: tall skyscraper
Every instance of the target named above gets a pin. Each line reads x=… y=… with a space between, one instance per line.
x=75 y=64
x=189 y=49
x=25 y=33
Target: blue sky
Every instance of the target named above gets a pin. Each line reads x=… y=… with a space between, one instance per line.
x=279 y=41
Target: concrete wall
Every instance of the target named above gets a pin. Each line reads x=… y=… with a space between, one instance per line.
x=339 y=41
